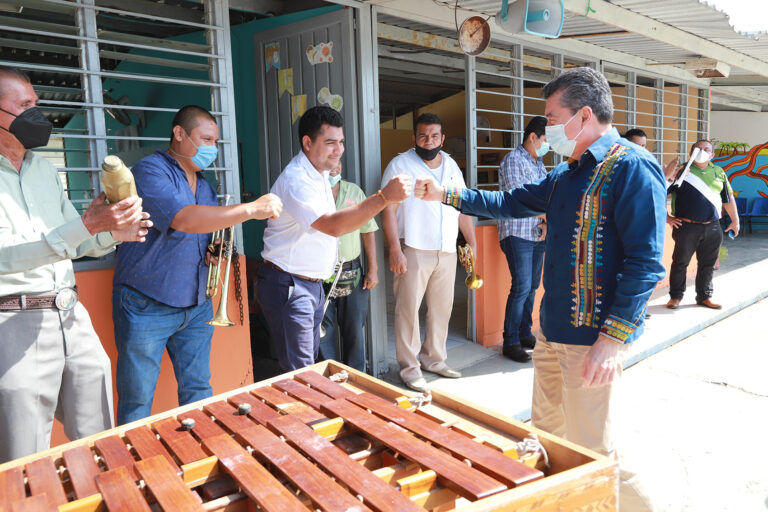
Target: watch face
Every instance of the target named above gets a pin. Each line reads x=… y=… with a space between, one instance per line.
x=66 y=299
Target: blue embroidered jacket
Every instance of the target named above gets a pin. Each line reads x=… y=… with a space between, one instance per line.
x=606 y=218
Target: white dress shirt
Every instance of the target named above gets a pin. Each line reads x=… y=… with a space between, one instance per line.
x=290 y=241
x=426 y=225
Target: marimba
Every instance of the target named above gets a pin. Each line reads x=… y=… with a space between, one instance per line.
x=322 y=438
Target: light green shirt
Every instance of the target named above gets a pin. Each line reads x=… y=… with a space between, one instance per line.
x=349 y=244
x=40 y=230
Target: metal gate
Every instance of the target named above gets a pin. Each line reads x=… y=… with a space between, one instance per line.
x=302 y=65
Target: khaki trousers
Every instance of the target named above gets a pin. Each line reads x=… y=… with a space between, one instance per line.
x=564 y=407
x=51 y=364
x=432 y=273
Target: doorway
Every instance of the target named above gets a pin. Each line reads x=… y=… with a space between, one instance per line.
x=412 y=81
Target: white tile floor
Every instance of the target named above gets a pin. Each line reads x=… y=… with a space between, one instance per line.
x=457 y=327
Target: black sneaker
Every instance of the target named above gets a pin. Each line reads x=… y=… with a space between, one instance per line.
x=516 y=353
x=528 y=341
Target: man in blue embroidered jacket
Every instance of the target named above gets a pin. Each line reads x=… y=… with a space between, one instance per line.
x=605 y=210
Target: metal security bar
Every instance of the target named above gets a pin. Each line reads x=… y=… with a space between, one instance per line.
x=673 y=115
x=110 y=79
x=504 y=104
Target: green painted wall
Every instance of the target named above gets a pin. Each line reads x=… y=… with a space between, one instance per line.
x=157 y=124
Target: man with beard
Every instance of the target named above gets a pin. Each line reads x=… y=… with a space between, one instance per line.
x=422 y=254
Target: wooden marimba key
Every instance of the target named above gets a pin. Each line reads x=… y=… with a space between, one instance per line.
x=304 y=443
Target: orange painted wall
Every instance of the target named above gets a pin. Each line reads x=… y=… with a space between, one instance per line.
x=231 y=365
x=491 y=299
x=394 y=142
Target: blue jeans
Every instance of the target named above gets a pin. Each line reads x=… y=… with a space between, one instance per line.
x=350 y=313
x=144 y=329
x=293 y=308
x=525 y=259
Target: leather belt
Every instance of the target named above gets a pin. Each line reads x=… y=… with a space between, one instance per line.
x=64 y=300
x=695 y=221
x=312 y=279
x=355 y=263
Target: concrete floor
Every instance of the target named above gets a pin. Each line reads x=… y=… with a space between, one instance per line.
x=485 y=369
x=695 y=391
x=696 y=395
x=694 y=417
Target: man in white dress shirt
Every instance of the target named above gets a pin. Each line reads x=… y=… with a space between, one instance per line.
x=422 y=254
x=300 y=246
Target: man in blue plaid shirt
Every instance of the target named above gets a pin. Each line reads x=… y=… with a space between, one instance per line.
x=522 y=241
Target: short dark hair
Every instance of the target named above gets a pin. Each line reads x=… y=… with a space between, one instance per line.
x=635 y=132
x=8 y=73
x=583 y=87
x=188 y=118
x=427 y=118
x=311 y=123
x=700 y=141
x=536 y=125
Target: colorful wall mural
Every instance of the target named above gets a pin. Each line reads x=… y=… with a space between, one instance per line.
x=747 y=172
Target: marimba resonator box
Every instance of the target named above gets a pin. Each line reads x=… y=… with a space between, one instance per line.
x=322 y=438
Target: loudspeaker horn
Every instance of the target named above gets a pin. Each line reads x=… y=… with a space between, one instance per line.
x=537 y=17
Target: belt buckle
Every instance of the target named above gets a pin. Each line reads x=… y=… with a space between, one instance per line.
x=66 y=299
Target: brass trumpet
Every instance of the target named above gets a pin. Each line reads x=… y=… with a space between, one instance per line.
x=467 y=259
x=225 y=240
x=220 y=319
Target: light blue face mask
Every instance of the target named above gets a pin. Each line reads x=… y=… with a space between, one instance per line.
x=334 y=179
x=543 y=149
x=559 y=141
x=204 y=156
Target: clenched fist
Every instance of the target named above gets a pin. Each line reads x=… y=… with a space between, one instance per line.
x=428 y=189
x=398 y=189
x=267 y=206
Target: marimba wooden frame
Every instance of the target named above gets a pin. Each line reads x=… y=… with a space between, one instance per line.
x=577 y=480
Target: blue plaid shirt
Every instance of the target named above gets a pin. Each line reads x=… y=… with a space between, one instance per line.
x=606 y=218
x=517 y=169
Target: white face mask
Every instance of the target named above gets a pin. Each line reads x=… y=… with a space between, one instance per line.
x=702 y=157
x=559 y=141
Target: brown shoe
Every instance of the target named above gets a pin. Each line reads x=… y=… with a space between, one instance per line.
x=673 y=303
x=709 y=304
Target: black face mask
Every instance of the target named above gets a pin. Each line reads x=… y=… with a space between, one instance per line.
x=31 y=128
x=427 y=154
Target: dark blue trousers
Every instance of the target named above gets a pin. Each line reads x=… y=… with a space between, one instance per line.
x=525 y=259
x=293 y=308
x=350 y=313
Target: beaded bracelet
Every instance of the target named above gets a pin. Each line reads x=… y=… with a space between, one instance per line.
x=452 y=197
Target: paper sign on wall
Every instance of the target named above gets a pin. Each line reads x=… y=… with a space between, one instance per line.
x=334 y=101
x=285 y=81
x=272 y=55
x=298 y=106
x=321 y=52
